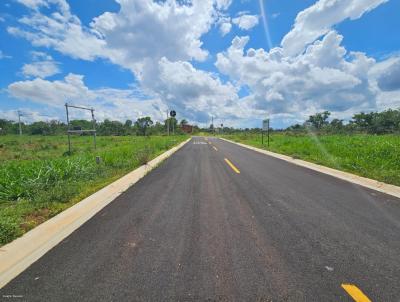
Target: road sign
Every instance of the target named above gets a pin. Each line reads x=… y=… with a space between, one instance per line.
x=265 y=125
x=172 y=113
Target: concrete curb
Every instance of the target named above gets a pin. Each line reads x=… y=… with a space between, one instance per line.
x=359 y=180
x=18 y=255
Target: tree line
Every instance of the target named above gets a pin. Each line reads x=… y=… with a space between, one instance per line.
x=142 y=126
x=384 y=122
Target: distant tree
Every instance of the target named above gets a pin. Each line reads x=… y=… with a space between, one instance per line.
x=7 y=127
x=319 y=120
x=110 y=128
x=42 y=128
x=156 y=129
x=336 y=123
x=172 y=123
x=387 y=121
x=295 y=127
x=128 y=123
x=363 y=120
x=142 y=124
x=183 y=122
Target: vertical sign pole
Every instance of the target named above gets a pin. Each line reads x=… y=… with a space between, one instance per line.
x=94 y=128
x=268 y=133
x=262 y=136
x=68 y=127
x=167 y=123
x=19 y=122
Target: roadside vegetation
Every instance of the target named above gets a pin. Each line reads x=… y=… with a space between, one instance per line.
x=368 y=145
x=142 y=126
x=372 y=156
x=39 y=179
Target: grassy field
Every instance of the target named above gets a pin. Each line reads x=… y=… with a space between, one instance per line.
x=38 y=179
x=372 y=156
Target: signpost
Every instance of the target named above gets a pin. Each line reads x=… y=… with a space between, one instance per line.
x=173 y=114
x=265 y=127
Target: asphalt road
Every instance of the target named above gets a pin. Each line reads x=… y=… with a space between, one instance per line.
x=196 y=230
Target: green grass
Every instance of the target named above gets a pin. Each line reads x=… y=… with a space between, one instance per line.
x=38 y=179
x=372 y=156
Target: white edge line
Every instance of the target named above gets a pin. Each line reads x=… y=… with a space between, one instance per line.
x=19 y=254
x=359 y=180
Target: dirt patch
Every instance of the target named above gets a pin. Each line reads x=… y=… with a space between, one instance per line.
x=35 y=218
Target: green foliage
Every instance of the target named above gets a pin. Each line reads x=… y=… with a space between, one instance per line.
x=142 y=124
x=172 y=123
x=373 y=122
x=319 y=120
x=9 y=229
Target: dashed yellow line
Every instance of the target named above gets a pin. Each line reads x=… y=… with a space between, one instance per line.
x=232 y=166
x=355 y=293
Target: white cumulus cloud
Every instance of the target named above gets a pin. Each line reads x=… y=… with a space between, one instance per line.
x=318 y=19
x=160 y=40
x=225 y=28
x=325 y=77
x=120 y=104
x=43 y=66
x=246 y=22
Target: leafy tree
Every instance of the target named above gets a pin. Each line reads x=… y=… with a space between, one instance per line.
x=363 y=120
x=7 y=127
x=386 y=122
x=183 y=122
x=128 y=123
x=172 y=123
x=142 y=124
x=319 y=120
x=42 y=128
x=156 y=129
x=295 y=127
x=336 y=123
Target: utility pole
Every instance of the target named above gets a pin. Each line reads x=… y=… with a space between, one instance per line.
x=212 y=124
x=68 y=131
x=19 y=122
x=94 y=127
x=167 y=121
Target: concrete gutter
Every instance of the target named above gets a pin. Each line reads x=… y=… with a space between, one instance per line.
x=18 y=255
x=355 y=179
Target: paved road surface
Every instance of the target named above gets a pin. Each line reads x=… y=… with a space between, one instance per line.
x=196 y=230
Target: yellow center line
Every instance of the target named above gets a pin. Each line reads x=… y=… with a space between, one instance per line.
x=232 y=166
x=355 y=293
x=215 y=148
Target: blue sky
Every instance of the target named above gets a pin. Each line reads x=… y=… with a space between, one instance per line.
x=206 y=58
